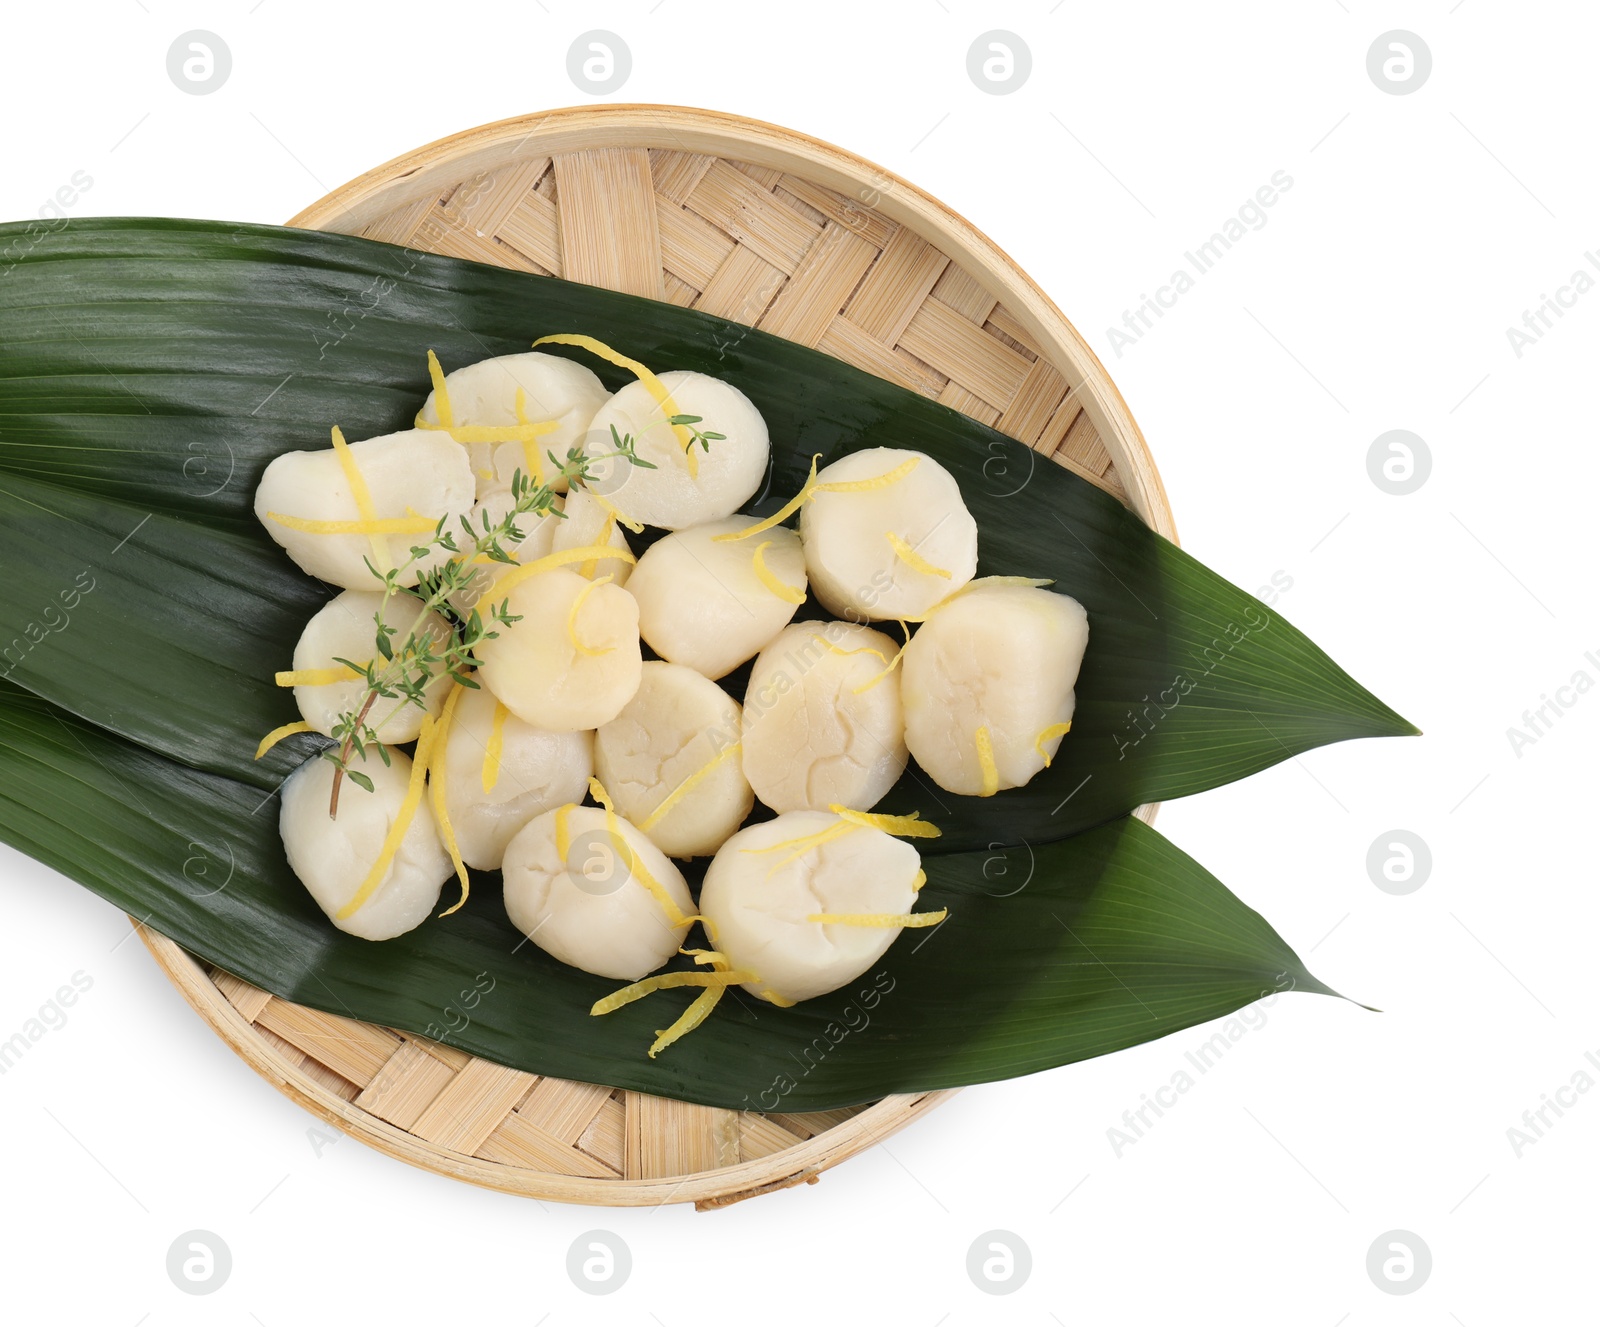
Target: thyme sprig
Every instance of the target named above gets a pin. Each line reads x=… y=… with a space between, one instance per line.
x=404 y=666
x=695 y=435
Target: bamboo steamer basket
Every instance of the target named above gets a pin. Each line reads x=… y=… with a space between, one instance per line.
x=768 y=227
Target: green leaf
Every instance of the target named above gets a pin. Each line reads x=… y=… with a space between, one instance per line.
x=153 y=368
x=1051 y=954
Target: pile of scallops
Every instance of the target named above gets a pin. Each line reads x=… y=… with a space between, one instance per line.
x=601 y=745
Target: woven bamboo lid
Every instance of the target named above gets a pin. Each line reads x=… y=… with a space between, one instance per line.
x=764 y=226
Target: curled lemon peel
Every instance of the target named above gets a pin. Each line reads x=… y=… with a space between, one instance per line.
x=363 y=500
x=772 y=997
x=530 y=441
x=790 y=594
x=666 y=981
x=441 y=393
x=588 y=569
x=811 y=488
x=318 y=677
x=495 y=748
x=715 y=983
x=1054 y=730
x=563 y=836
x=401 y=823
x=912 y=826
x=919 y=882
x=990 y=771
x=903 y=919
x=698 y=1011
x=523 y=431
x=636 y=526
x=550 y=561
x=887 y=478
x=878 y=677
x=813 y=837
x=711 y=930
x=805 y=843
x=441 y=813
x=840 y=649
x=671 y=800
x=278 y=734
x=652 y=384
x=587 y=651
x=778 y=517
x=912 y=558
x=376 y=526
x=636 y=868
x=984 y=582
x=884 y=672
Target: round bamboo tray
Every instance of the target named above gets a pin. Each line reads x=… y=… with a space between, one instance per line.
x=768 y=227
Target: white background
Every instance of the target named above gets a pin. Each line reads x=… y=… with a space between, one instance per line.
x=1418 y=229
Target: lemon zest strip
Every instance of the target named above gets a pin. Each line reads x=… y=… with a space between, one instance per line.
x=879 y=676
x=991 y=771
x=828 y=831
x=772 y=997
x=376 y=526
x=495 y=748
x=522 y=431
x=686 y=787
x=906 y=919
x=635 y=867
x=363 y=500
x=876 y=482
x=530 y=442
x=441 y=813
x=790 y=594
x=691 y=1018
x=317 y=677
x=563 y=838
x=810 y=489
x=919 y=882
x=278 y=734
x=835 y=831
x=893 y=663
x=1054 y=730
x=711 y=930
x=912 y=826
x=513 y=578
x=402 y=822
x=441 y=393
x=912 y=558
x=700 y=1009
x=572 y=620
x=636 y=526
x=840 y=649
x=666 y=981
x=1027 y=582
x=778 y=517
x=652 y=384
x=804 y=844
x=588 y=569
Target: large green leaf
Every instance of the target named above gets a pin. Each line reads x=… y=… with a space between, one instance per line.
x=150 y=369
x=1050 y=955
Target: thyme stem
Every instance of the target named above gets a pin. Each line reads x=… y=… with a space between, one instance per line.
x=404 y=670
